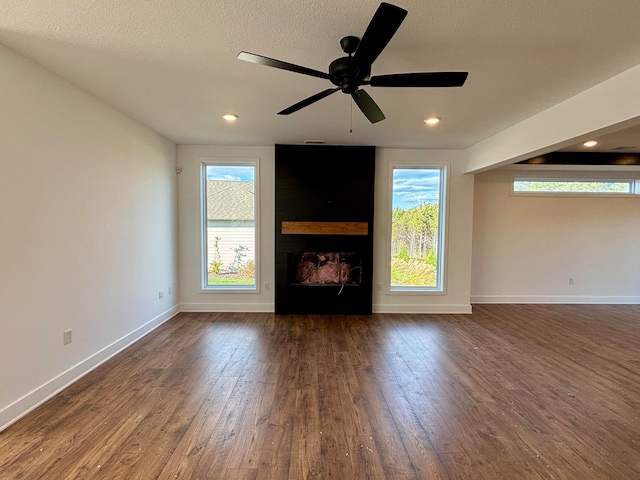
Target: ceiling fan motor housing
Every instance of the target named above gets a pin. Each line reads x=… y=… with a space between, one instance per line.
x=342 y=72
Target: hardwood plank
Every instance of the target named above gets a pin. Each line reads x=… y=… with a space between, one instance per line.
x=365 y=457
x=189 y=450
x=414 y=436
x=287 y=379
x=355 y=420
x=240 y=474
x=253 y=429
x=275 y=455
x=306 y=455
x=393 y=454
x=216 y=456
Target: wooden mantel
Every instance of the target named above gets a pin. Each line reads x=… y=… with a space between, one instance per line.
x=325 y=228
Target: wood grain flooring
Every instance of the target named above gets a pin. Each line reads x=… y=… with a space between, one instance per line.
x=509 y=392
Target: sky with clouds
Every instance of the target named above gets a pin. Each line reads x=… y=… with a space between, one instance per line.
x=237 y=173
x=411 y=187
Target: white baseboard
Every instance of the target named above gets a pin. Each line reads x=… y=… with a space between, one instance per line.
x=227 y=307
x=424 y=308
x=18 y=409
x=586 y=299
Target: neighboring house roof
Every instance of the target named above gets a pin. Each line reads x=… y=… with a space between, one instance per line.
x=229 y=200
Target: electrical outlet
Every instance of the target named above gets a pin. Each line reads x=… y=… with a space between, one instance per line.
x=169 y=290
x=379 y=287
x=266 y=286
x=160 y=294
x=66 y=337
x=571 y=281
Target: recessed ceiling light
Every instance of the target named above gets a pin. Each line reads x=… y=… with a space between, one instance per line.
x=432 y=121
x=230 y=117
x=590 y=143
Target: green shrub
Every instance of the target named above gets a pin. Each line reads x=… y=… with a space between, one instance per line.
x=214 y=267
x=403 y=254
x=431 y=258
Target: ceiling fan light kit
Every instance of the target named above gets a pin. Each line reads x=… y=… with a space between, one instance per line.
x=350 y=73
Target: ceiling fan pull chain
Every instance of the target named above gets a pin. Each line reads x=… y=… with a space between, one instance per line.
x=351 y=116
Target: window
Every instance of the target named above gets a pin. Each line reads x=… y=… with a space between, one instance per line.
x=229 y=225
x=417 y=227
x=575 y=186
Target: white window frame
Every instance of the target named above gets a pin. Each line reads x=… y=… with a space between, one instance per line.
x=204 y=268
x=439 y=288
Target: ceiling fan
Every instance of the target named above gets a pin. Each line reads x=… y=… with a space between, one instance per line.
x=353 y=71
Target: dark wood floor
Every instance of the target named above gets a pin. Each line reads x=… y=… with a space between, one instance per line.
x=510 y=392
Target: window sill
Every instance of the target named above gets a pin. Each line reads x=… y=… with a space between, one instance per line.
x=231 y=289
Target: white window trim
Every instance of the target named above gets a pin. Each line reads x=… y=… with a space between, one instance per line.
x=246 y=162
x=443 y=215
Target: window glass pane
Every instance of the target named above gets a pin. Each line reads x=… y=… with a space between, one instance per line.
x=230 y=231
x=572 y=186
x=415 y=228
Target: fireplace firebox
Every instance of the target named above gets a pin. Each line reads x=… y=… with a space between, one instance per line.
x=325 y=268
x=324 y=229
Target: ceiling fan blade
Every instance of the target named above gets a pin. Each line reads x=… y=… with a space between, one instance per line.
x=368 y=106
x=433 y=79
x=381 y=29
x=271 y=62
x=308 y=101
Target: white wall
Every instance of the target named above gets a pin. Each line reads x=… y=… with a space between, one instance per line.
x=88 y=232
x=455 y=299
x=526 y=248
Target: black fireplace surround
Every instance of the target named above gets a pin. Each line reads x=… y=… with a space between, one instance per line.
x=324 y=198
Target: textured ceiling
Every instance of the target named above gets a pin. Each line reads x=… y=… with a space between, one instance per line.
x=622 y=141
x=172 y=64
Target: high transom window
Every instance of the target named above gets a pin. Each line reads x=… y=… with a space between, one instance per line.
x=575 y=186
